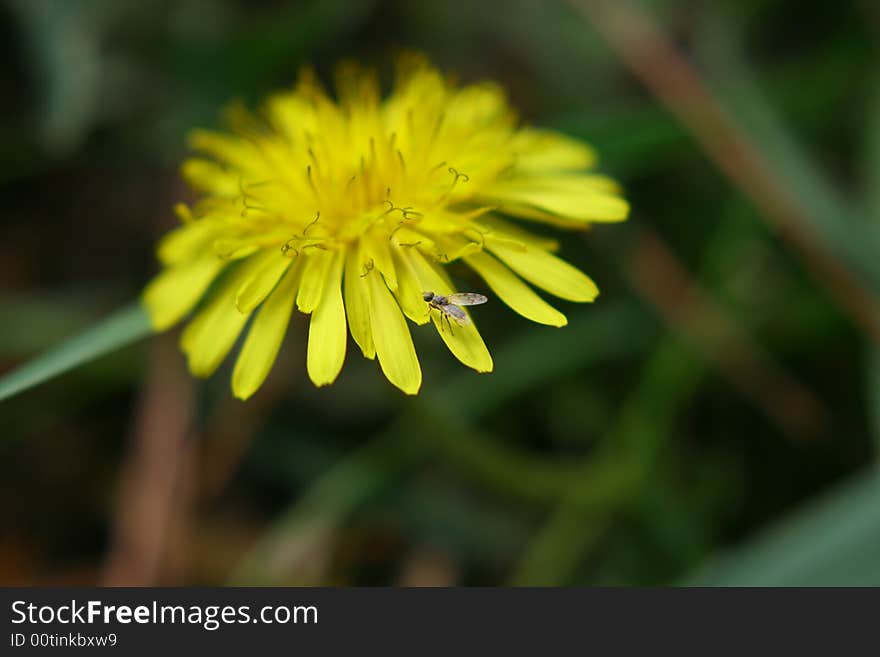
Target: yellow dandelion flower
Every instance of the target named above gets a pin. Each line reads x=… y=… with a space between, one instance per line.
x=350 y=209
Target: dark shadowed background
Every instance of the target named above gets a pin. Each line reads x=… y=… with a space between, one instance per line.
x=713 y=418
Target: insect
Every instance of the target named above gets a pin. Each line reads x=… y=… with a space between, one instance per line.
x=450 y=306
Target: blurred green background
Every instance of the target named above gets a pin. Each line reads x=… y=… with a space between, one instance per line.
x=714 y=418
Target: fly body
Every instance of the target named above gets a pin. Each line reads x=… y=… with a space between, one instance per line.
x=449 y=307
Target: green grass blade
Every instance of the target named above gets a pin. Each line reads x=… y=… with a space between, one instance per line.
x=830 y=542
x=119 y=329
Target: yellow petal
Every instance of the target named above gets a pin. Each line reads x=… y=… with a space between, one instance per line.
x=226 y=148
x=210 y=335
x=409 y=291
x=545 y=150
x=394 y=346
x=357 y=302
x=453 y=247
x=264 y=339
x=577 y=198
x=356 y=86
x=511 y=290
x=507 y=231
x=187 y=241
x=464 y=342
x=547 y=272
x=234 y=249
x=183 y=213
x=174 y=291
x=407 y=238
x=312 y=274
x=327 y=329
x=377 y=248
x=271 y=267
x=291 y=115
x=206 y=176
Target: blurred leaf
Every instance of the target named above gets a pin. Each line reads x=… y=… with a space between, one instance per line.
x=529 y=362
x=632 y=139
x=827 y=211
x=873 y=364
x=446 y=516
x=830 y=542
x=512 y=470
x=306 y=524
x=871 y=194
x=260 y=47
x=871 y=185
x=123 y=327
x=594 y=334
x=62 y=42
x=631 y=449
x=600 y=333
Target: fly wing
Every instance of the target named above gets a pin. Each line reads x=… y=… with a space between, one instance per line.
x=467 y=299
x=456 y=313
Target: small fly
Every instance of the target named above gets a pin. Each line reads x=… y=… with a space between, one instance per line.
x=449 y=307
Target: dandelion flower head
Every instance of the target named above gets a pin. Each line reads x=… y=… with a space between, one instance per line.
x=350 y=209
